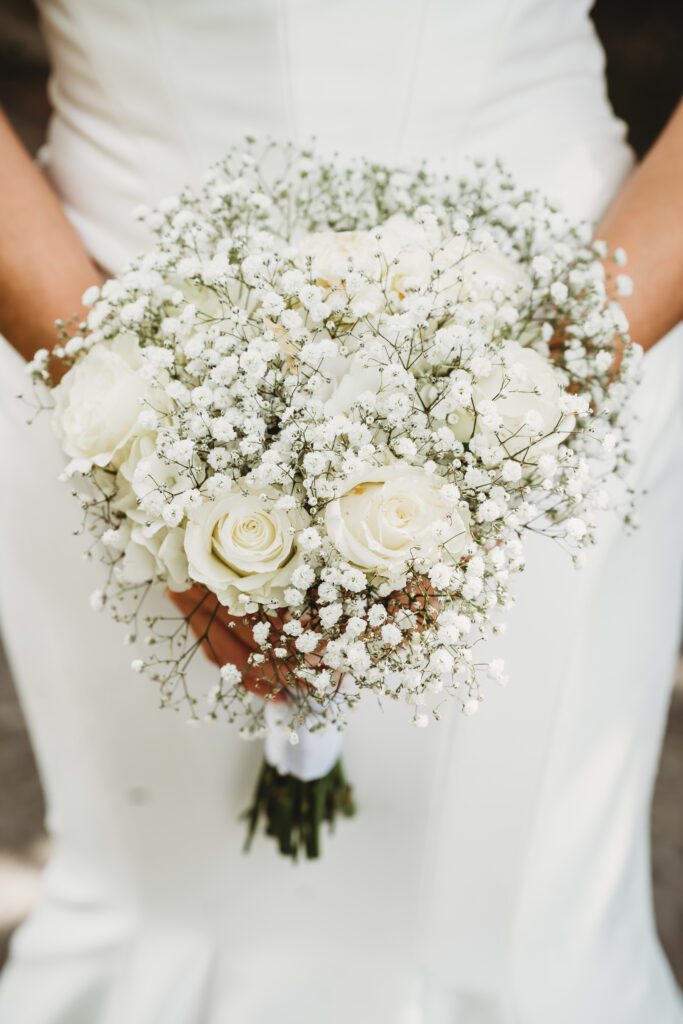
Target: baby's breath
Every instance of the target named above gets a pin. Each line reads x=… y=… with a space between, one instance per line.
x=326 y=394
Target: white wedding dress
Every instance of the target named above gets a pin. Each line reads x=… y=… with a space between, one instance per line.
x=498 y=869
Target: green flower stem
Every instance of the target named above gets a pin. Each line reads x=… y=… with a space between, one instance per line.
x=294 y=811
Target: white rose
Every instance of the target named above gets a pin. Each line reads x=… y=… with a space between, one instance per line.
x=242 y=544
x=150 y=479
x=172 y=559
x=98 y=402
x=406 y=250
x=152 y=552
x=473 y=274
x=410 y=258
x=344 y=379
x=405 y=263
x=387 y=516
x=138 y=564
x=207 y=301
x=529 y=405
x=165 y=547
x=467 y=273
x=333 y=254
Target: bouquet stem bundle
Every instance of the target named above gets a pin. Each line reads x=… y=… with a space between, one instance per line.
x=294 y=811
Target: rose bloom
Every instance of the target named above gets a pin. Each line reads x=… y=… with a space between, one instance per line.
x=149 y=555
x=242 y=544
x=409 y=262
x=529 y=406
x=387 y=517
x=145 y=476
x=333 y=254
x=343 y=379
x=467 y=272
x=98 y=401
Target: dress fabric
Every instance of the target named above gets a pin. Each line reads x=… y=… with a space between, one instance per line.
x=498 y=869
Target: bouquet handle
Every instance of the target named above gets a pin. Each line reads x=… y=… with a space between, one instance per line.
x=301 y=785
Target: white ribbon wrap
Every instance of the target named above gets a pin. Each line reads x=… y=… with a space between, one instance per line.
x=315 y=754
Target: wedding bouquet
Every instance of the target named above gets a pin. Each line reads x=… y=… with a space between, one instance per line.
x=327 y=396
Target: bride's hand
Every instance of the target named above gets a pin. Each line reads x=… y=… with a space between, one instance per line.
x=225 y=638
x=643 y=219
x=559 y=340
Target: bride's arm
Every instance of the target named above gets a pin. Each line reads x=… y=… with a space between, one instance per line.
x=646 y=219
x=44 y=269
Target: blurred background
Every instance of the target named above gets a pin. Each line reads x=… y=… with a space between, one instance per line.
x=644 y=42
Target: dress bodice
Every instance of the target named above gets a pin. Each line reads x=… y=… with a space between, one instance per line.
x=146 y=96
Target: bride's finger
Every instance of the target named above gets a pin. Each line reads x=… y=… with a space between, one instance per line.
x=226 y=639
x=191 y=602
x=201 y=608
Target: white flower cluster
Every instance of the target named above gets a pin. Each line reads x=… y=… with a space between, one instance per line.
x=327 y=395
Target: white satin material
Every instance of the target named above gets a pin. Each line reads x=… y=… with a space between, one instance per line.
x=313 y=754
x=497 y=871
